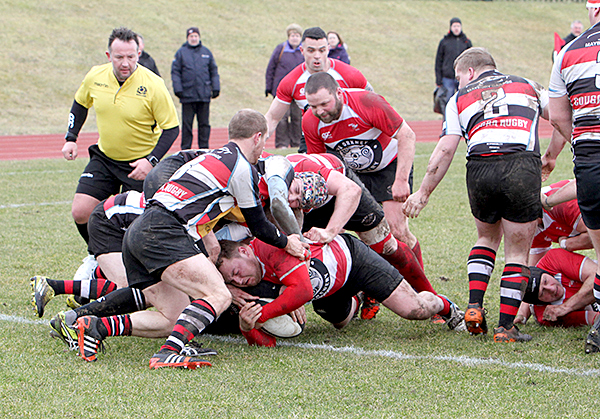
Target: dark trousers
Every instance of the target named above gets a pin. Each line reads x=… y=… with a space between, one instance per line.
x=189 y=111
x=289 y=129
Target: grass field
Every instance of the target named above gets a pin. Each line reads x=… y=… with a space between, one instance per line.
x=48 y=46
x=388 y=367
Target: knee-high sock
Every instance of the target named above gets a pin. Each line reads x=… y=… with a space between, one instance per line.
x=407 y=264
x=417 y=251
x=92 y=289
x=121 y=301
x=115 y=326
x=83 y=231
x=479 y=267
x=191 y=322
x=514 y=277
x=597 y=288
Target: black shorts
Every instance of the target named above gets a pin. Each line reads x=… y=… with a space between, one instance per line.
x=367 y=216
x=370 y=273
x=104 y=176
x=153 y=242
x=105 y=236
x=587 y=175
x=380 y=183
x=506 y=186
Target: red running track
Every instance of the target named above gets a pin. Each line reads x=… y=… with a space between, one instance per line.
x=27 y=147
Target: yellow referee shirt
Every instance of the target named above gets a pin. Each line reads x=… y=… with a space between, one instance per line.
x=128 y=116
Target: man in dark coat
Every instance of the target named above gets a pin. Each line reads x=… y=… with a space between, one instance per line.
x=449 y=48
x=195 y=82
x=145 y=59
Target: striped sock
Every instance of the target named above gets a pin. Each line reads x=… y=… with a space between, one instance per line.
x=597 y=288
x=92 y=289
x=115 y=326
x=479 y=268
x=514 y=277
x=191 y=322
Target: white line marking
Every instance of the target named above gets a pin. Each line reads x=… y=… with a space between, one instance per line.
x=35 y=173
x=464 y=360
x=35 y=204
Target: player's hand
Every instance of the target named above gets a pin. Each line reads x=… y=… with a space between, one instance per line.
x=400 y=191
x=299 y=315
x=249 y=314
x=414 y=204
x=552 y=313
x=69 y=150
x=548 y=166
x=296 y=247
x=240 y=297
x=319 y=235
x=141 y=168
x=520 y=319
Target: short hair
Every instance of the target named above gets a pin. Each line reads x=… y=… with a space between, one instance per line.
x=314 y=33
x=293 y=28
x=336 y=34
x=246 y=123
x=229 y=250
x=321 y=80
x=475 y=58
x=122 y=34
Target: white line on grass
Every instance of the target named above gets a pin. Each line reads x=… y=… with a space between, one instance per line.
x=35 y=173
x=35 y=204
x=464 y=360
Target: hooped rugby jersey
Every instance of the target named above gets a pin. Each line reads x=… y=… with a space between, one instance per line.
x=363 y=135
x=576 y=73
x=291 y=87
x=209 y=187
x=561 y=221
x=567 y=268
x=123 y=208
x=497 y=114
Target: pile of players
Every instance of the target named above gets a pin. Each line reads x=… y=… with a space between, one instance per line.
x=280 y=221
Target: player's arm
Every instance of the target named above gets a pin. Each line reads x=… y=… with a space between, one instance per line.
x=276 y=111
x=406 y=154
x=438 y=165
x=561 y=115
x=557 y=143
x=579 y=300
x=566 y=193
x=347 y=197
x=579 y=242
x=523 y=314
x=77 y=117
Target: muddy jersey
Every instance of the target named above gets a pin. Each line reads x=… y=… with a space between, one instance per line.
x=561 y=221
x=566 y=267
x=209 y=187
x=330 y=265
x=363 y=134
x=497 y=114
x=291 y=87
x=576 y=73
x=123 y=208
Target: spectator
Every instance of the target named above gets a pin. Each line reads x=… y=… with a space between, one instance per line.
x=449 y=48
x=576 y=29
x=337 y=48
x=145 y=59
x=195 y=82
x=285 y=57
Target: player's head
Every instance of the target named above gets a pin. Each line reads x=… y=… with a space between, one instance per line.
x=315 y=49
x=307 y=191
x=247 y=125
x=324 y=97
x=471 y=63
x=294 y=34
x=542 y=288
x=123 y=52
x=455 y=26
x=238 y=264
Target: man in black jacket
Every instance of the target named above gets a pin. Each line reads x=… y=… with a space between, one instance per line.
x=450 y=47
x=145 y=59
x=195 y=82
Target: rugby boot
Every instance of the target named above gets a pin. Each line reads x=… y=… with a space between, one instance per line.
x=42 y=294
x=455 y=319
x=195 y=349
x=592 y=342
x=475 y=319
x=172 y=359
x=369 y=309
x=89 y=339
x=501 y=334
x=63 y=331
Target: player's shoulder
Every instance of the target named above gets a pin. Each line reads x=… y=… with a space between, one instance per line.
x=99 y=70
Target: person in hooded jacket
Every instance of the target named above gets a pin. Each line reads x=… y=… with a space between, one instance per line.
x=196 y=81
x=449 y=48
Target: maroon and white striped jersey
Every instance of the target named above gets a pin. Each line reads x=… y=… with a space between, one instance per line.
x=291 y=87
x=363 y=135
x=123 y=208
x=576 y=73
x=497 y=114
x=207 y=188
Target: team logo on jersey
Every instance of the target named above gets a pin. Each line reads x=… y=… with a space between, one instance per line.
x=326 y=135
x=353 y=126
x=141 y=91
x=100 y=84
x=360 y=155
x=320 y=278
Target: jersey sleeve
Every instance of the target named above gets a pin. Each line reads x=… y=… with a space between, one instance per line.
x=380 y=114
x=557 y=86
x=83 y=96
x=310 y=128
x=352 y=76
x=285 y=89
x=244 y=185
x=451 y=124
x=562 y=261
x=163 y=108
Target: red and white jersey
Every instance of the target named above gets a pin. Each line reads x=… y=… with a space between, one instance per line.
x=561 y=221
x=575 y=73
x=497 y=114
x=567 y=268
x=363 y=135
x=330 y=265
x=208 y=187
x=125 y=207
x=291 y=87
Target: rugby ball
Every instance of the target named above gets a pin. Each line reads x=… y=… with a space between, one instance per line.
x=282 y=326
